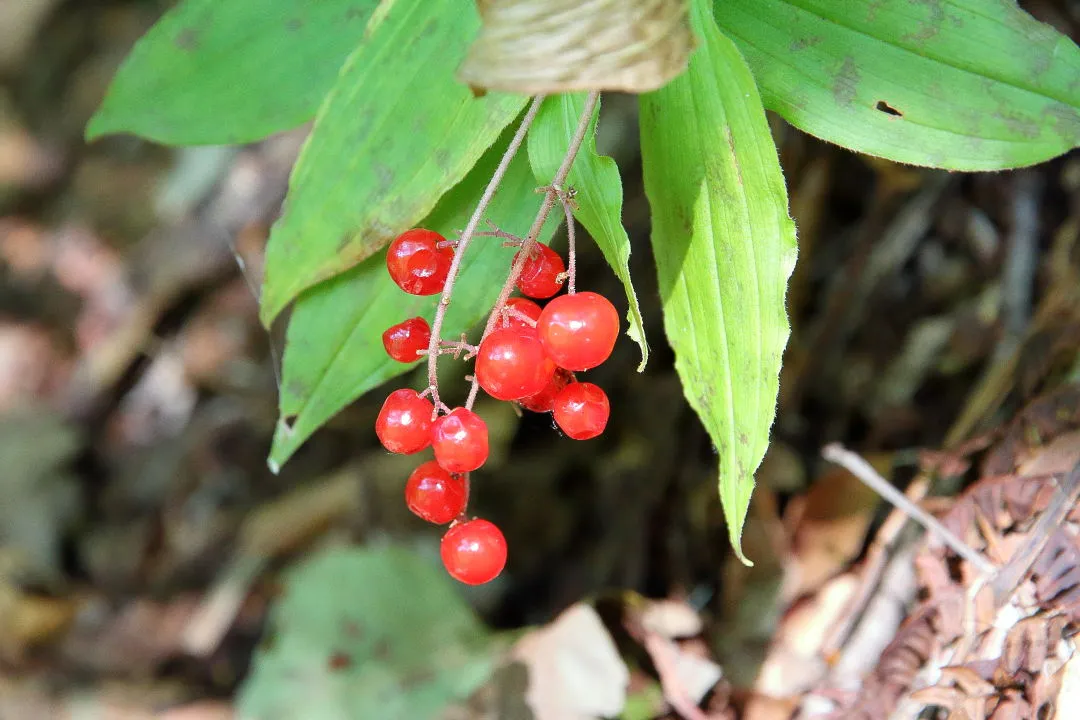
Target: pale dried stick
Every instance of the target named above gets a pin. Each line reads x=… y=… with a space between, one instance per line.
x=857 y=466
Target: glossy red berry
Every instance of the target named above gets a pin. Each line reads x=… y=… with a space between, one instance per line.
x=404 y=340
x=511 y=364
x=578 y=331
x=404 y=423
x=474 y=552
x=434 y=494
x=539 y=276
x=521 y=306
x=416 y=262
x=460 y=441
x=544 y=400
x=581 y=410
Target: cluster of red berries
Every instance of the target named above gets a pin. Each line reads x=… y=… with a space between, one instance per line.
x=528 y=358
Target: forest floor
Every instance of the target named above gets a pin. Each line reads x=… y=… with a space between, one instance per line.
x=144 y=543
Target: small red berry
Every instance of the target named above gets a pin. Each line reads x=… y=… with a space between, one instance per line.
x=579 y=331
x=511 y=363
x=474 y=552
x=544 y=400
x=582 y=410
x=522 y=306
x=404 y=340
x=460 y=441
x=539 y=276
x=416 y=262
x=404 y=423
x=434 y=494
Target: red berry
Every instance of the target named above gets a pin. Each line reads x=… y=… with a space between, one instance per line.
x=416 y=262
x=460 y=441
x=578 y=331
x=474 y=552
x=539 y=274
x=511 y=363
x=582 y=410
x=434 y=494
x=544 y=400
x=404 y=340
x=525 y=307
x=404 y=423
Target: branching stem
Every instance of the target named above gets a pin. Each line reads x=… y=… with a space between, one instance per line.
x=551 y=196
x=463 y=244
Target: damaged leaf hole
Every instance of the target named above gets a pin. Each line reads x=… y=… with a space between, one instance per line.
x=888 y=109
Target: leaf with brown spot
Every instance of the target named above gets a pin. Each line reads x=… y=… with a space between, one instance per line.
x=369 y=171
x=957 y=84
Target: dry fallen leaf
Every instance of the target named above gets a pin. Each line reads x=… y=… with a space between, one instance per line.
x=575 y=671
x=828 y=525
x=549 y=46
x=671 y=619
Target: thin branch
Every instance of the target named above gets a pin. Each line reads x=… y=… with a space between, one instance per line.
x=466 y=236
x=550 y=198
x=857 y=466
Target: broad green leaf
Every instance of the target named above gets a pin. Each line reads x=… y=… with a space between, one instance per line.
x=333 y=346
x=958 y=84
x=599 y=191
x=395 y=133
x=214 y=72
x=366 y=633
x=724 y=247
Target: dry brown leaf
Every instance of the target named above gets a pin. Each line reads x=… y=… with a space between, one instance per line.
x=684 y=677
x=29 y=621
x=671 y=619
x=575 y=671
x=550 y=46
x=829 y=527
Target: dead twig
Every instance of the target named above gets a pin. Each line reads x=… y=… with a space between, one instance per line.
x=857 y=466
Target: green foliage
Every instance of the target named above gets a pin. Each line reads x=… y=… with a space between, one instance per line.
x=599 y=191
x=395 y=133
x=373 y=633
x=333 y=349
x=958 y=84
x=213 y=72
x=725 y=248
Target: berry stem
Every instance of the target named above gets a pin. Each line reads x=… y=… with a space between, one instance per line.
x=463 y=243
x=551 y=195
x=571 y=253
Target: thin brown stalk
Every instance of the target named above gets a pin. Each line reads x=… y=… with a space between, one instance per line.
x=463 y=244
x=551 y=196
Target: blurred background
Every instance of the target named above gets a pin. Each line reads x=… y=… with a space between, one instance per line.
x=143 y=540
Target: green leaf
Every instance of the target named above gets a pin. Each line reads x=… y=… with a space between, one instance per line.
x=396 y=132
x=958 y=84
x=214 y=73
x=724 y=247
x=599 y=191
x=367 y=633
x=333 y=347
